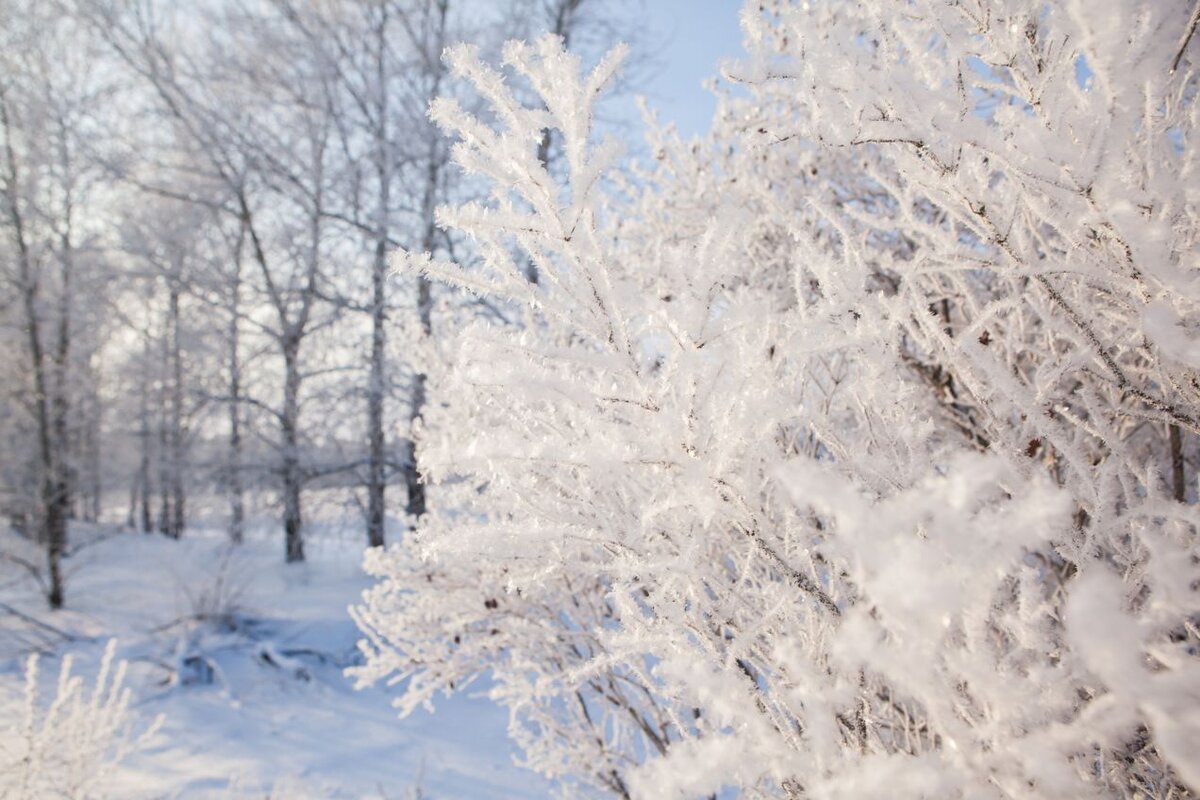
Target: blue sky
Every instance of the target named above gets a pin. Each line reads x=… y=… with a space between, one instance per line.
x=696 y=35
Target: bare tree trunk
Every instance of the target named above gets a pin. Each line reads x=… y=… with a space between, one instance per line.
x=292 y=478
x=176 y=432
x=62 y=353
x=237 y=511
x=60 y=509
x=376 y=457
x=292 y=334
x=59 y=401
x=164 y=480
x=376 y=389
x=164 y=423
x=95 y=481
x=56 y=539
x=143 y=477
x=413 y=480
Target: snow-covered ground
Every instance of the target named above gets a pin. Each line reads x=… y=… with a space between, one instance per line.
x=245 y=657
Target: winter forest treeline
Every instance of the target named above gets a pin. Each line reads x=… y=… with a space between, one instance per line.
x=200 y=201
x=847 y=450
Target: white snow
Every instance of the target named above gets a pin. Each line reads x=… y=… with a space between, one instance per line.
x=254 y=695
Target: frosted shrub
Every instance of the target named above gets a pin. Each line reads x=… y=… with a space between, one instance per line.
x=840 y=454
x=71 y=747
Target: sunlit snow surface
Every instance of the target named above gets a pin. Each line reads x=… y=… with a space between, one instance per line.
x=256 y=700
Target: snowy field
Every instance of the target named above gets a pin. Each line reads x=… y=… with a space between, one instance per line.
x=245 y=656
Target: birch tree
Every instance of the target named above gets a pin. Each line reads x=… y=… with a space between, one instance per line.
x=48 y=107
x=385 y=59
x=273 y=180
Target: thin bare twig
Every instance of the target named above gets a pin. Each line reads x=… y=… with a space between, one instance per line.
x=1188 y=32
